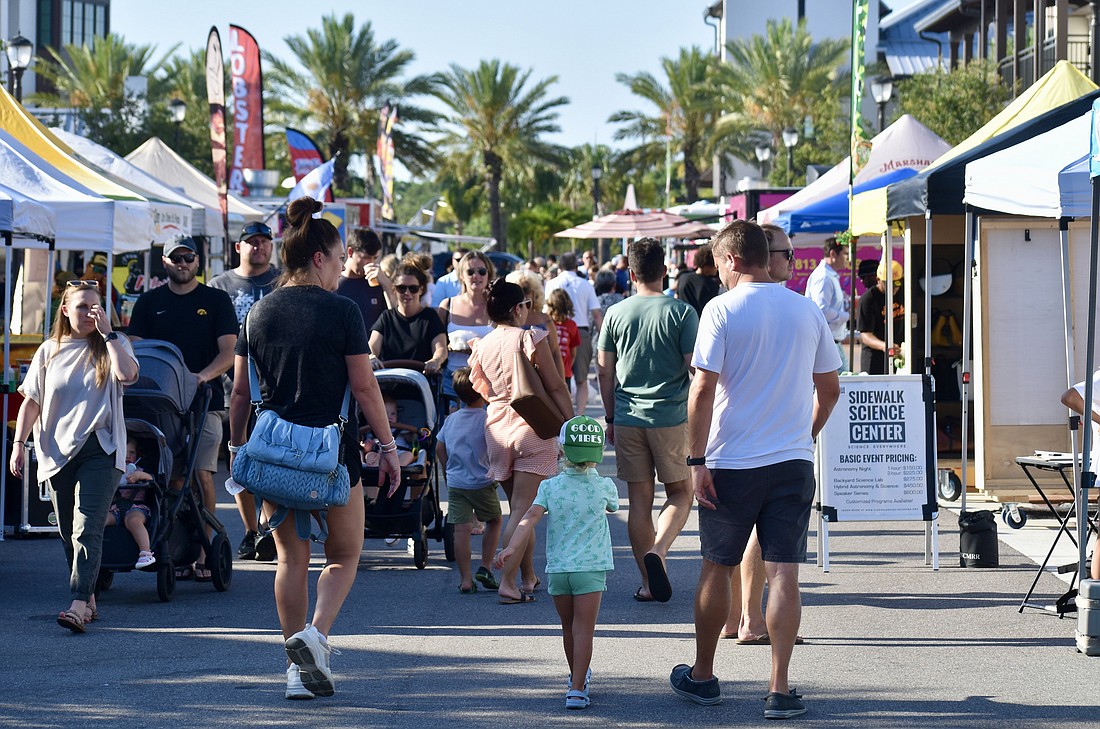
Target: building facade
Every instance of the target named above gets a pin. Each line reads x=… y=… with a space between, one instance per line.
x=51 y=25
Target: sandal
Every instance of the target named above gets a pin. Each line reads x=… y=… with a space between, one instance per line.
x=486 y=578
x=187 y=572
x=202 y=567
x=72 y=620
x=468 y=590
x=90 y=614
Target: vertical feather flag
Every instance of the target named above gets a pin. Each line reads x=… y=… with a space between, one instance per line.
x=246 y=83
x=861 y=146
x=387 y=117
x=305 y=156
x=215 y=96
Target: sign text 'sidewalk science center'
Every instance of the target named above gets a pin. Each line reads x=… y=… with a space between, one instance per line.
x=876 y=416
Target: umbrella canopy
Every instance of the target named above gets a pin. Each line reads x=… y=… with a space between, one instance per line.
x=638 y=224
x=23 y=217
x=831 y=214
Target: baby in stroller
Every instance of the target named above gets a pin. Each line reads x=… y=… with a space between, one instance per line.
x=403 y=434
x=129 y=506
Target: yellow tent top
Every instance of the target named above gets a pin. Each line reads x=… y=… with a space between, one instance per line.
x=25 y=129
x=1061 y=85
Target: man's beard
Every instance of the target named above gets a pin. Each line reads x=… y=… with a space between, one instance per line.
x=181 y=275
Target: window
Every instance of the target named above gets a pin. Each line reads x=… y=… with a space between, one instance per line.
x=66 y=22
x=78 y=24
x=45 y=23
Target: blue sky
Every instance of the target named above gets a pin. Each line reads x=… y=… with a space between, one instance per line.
x=583 y=42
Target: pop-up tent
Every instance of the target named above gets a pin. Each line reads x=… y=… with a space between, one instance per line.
x=830 y=214
x=173 y=212
x=905 y=144
x=22 y=217
x=159 y=160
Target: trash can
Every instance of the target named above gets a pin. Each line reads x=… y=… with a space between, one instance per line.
x=978 y=539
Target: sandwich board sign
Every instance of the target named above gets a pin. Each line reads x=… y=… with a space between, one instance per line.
x=876 y=457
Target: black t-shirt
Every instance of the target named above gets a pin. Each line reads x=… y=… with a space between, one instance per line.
x=696 y=289
x=408 y=338
x=299 y=336
x=371 y=299
x=192 y=321
x=244 y=291
x=872 y=318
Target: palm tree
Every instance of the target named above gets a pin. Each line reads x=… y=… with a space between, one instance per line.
x=538 y=223
x=348 y=77
x=686 y=110
x=496 y=123
x=775 y=81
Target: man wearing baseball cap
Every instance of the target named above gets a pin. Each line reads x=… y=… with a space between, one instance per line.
x=200 y=321
x=872 y=319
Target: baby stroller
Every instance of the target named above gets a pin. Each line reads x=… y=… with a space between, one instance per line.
x=167 y=418
x=415 y=505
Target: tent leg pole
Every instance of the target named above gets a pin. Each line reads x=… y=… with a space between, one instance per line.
x=968 y=287
x=1087 y=478
x=885 y=263
x=7 y=358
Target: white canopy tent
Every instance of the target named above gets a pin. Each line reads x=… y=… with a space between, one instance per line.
x=174 y=213
x=904 y=144
x=23 y=217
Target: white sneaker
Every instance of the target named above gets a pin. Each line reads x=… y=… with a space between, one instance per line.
x=145 y=559
x=295 y=690
x=309 y=650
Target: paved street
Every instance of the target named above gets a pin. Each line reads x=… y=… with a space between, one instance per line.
x=889 y=643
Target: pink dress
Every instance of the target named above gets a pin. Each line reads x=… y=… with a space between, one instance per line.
x=513 y=445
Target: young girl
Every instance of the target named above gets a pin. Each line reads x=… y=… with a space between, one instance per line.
x=578 y=545
x=137 y=514
x=560 y=308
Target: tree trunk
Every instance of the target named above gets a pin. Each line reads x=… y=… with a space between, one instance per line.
x=496 y=221
x=340 y=169
x=691 y=178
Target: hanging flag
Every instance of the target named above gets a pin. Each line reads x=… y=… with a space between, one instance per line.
x=387 y=117
x=246 y=82
x=215 y=96
x=305 y=156
x=861 y=145
x=315 y=184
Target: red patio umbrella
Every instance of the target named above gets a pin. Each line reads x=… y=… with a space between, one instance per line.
x=638 y=224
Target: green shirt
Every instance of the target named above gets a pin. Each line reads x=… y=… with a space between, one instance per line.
x=578 y=538
x=650 y=336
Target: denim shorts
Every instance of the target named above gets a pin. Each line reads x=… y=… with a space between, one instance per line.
x=576 y=583
x=775 y=499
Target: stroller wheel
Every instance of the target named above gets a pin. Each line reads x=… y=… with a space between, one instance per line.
x=166 y=580
x=420 y=548
x=104 y=580
x=221 y=567
x=449 y=541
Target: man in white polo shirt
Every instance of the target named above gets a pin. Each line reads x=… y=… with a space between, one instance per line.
x=586 y=314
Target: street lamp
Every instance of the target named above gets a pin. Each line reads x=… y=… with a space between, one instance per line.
x=790 y=139
x=19 y=51
x=882 y=88
x=178 y=109
x=763 y=154
x=603 y=243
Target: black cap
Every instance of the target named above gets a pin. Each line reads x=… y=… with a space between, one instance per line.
x=867 y=268
x=254 y=228
x=180 y=241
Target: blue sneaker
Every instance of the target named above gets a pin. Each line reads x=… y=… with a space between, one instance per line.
x=706 y=692
x=783 y=706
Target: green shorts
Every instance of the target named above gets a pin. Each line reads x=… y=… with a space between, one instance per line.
x=577 y=583
x=462 y=504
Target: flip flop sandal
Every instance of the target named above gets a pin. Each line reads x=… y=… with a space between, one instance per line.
x=761 y=639
x=90 y=614
x=486 y=578
x=659 y=586
x=186 y=572
x=202 y=567
x=72 y=620
x=642 y=598
x=468 y=590
x=521 y=600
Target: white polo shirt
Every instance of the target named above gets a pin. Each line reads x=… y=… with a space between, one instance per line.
x=581 y=292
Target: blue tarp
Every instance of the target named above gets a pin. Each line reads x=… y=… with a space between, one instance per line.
x=831 y=214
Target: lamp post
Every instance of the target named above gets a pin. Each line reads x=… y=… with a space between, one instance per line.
x=790 y=139
x=763 y=154
x=882 y=88
x=19 y=51
x=178 y=110
x=603 y=243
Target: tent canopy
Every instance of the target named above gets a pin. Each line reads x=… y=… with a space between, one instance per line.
x=905 y=144
x=638 y=224
x=159 y=160
x=831 y=214
x=1053 y=164
x=23 y=217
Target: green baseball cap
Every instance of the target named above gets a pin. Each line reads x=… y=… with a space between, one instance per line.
x=582 y=440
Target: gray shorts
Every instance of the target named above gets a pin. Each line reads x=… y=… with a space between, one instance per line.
x=775 y=499
x=582 y=358
x=210 y=443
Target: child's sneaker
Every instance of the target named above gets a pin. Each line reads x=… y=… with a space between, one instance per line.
x=295 y=689
x=145 y=559
x=309 y=650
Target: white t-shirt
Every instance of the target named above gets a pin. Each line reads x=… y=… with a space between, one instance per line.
x=1080 y=387
x=581 y=292
x=765 y=342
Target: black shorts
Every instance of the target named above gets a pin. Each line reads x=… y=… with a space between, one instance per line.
x=352 y=458
x=775 y=499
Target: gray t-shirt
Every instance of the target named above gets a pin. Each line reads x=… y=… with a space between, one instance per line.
x=244 y=291
x=463 y=434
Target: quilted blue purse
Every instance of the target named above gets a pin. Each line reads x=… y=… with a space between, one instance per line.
x=295 y=467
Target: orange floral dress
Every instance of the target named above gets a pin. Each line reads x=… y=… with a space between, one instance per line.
x=512 y=444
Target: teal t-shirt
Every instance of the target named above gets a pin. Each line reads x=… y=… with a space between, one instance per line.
x=649 y=336
x=578 y=538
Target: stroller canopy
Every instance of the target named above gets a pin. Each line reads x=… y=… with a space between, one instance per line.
x=164 y=375
x=411 y=377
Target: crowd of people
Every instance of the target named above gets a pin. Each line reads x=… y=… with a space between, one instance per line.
x=713 y=382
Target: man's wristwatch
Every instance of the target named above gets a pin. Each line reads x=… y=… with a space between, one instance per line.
x=700 y=461
x=110 y=336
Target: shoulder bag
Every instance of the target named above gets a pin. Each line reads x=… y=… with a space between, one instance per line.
x=530 y=399
x=296 y=467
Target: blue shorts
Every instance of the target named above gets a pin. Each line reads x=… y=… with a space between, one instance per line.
x=774 y=499
x=576 y=583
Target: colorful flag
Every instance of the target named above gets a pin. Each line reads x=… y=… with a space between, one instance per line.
x=215 y=96
x=861 y=145
x=246 y=82
x=305 y=156
x=315 y=184
x=387 y=117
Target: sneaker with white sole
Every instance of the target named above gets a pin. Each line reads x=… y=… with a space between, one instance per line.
x=145 y=559
x=706 y=692
x=295 y=689
x=309 y=650
x=783 y=706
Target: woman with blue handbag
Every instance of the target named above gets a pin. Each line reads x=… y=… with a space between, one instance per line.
x=309 y=350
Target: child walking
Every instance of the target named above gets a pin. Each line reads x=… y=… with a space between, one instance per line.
x=560 y=308
x=471 y=495
x=578 y=545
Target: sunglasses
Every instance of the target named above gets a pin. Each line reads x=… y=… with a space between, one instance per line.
x=402 y=289
x=255 y=229
x=525 y=302
x=82 y=284
x=477 y=271
x=787 y=253
x=183 y=258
